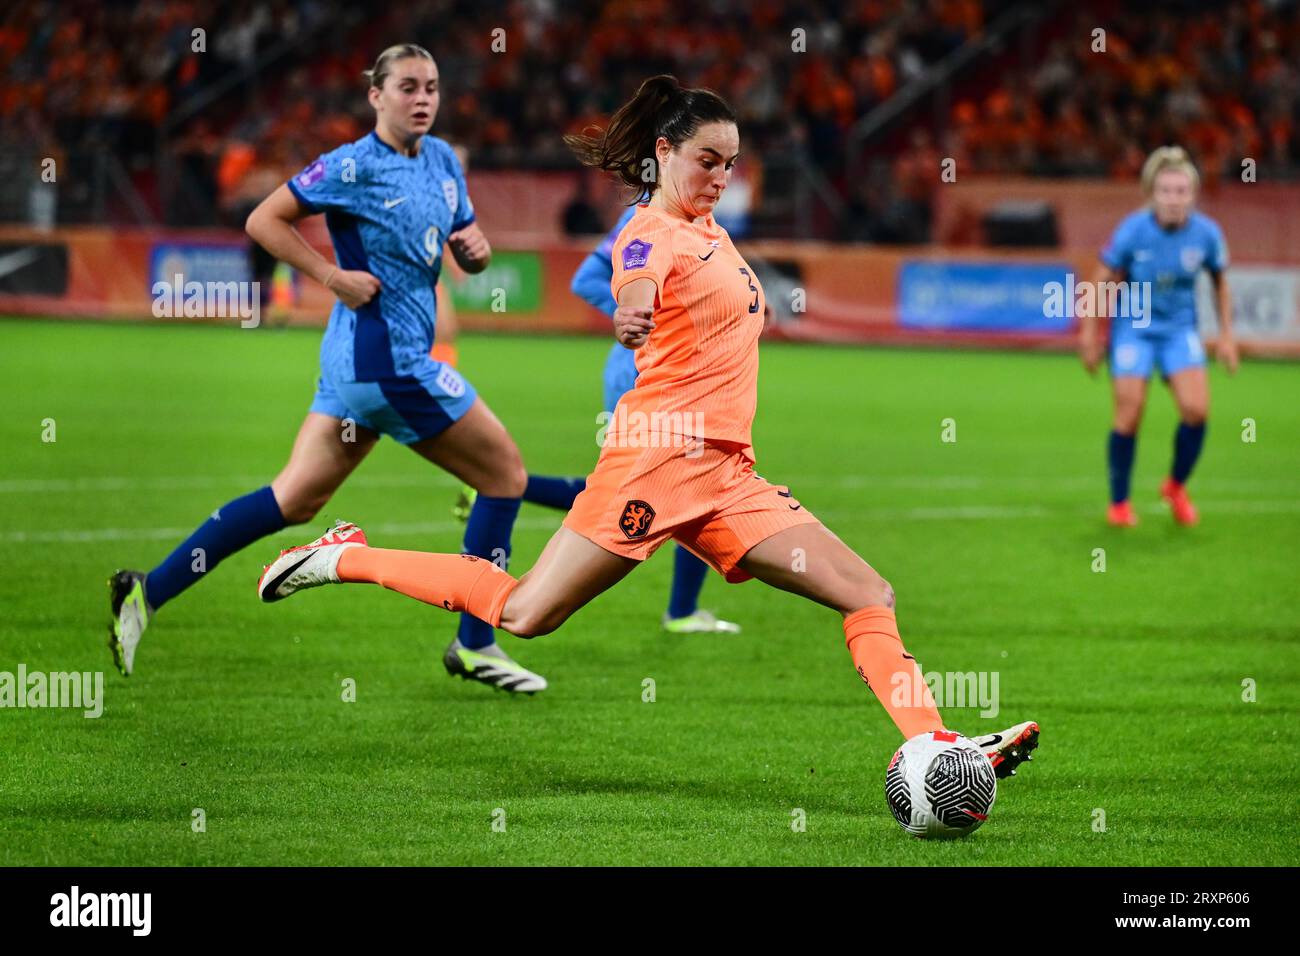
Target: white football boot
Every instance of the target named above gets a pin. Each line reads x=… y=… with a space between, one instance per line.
x=701 y=622
x=492 y=666
x=1009 y=749
x=131 y=615
x=309 y=565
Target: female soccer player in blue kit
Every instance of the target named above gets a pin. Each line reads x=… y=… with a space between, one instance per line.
x=591 y=283
x=1163 y=246
x=392 y=200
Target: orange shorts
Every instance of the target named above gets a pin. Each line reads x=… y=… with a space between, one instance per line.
x=706 y=496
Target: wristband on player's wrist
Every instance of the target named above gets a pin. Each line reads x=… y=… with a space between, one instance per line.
x=329 y=276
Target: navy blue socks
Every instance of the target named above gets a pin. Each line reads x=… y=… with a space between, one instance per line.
x=553 y=492
x=232 y=527
x=689 y=573
x=1119 y=458
x=1187 y=448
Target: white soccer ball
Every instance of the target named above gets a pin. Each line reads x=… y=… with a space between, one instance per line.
x=940 y=786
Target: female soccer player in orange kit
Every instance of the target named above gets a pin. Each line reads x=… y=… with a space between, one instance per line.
x=677 y=462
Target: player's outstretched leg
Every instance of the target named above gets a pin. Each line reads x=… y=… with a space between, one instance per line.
x=834 y=575
x=318 y=464
x=569 y=573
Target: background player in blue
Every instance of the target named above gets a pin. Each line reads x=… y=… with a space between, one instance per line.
x=591 y=283
x=392 y=200
x=1162 y=246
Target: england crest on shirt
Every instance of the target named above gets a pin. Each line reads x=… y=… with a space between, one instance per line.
x=451 y=194
x=1191 y=257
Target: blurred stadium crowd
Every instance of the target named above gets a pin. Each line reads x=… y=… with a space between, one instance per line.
x=202 y=133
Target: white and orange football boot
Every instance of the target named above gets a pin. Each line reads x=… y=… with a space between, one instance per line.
x=1009 y=749
x=309 y=565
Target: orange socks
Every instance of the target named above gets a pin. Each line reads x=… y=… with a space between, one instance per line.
x=892 y=674
x=457 y=582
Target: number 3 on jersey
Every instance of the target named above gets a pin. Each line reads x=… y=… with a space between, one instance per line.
x=753 y=306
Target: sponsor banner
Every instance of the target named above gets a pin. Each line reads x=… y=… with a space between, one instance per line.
x=820 y=292
x=981 y=296
x=511 y=284
x=33 y=268
x=199 y=262
x=1264 y=304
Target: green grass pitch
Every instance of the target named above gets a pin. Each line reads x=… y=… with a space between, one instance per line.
x=1136 y=674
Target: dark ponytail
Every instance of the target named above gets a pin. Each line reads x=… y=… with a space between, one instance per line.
x=661 y=107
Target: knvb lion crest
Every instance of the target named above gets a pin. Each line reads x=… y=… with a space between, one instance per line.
x=636 y=519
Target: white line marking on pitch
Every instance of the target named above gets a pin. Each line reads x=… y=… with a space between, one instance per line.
x=80 y=536
x=437 y=479
x=952 y=513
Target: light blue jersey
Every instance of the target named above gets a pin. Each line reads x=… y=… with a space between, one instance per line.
x=1168 y=259
x=389 y=214
x=591 y=283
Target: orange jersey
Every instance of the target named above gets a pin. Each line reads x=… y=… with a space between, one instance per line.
x=698 y=370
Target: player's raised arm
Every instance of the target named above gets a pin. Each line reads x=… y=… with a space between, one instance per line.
x=271 y=225
x=633 y=320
